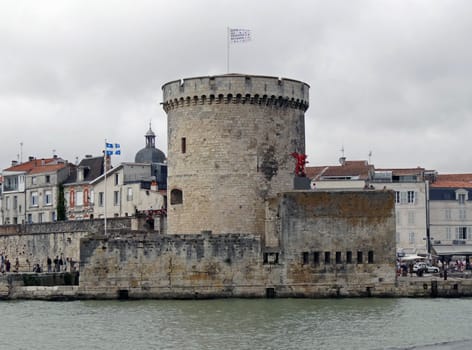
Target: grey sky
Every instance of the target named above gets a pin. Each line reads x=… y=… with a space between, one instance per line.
x=391 y=77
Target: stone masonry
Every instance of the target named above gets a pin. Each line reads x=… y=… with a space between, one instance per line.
x=230 y=140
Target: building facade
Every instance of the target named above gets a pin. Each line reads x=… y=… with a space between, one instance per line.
x=30 y=190
x=126 y=190
x=451 y=214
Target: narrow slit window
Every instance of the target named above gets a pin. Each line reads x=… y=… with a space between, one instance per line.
x=349 y=257
x=359 y=257
x=184 y=144
x=305 y=258
x=338 y=257
x=370 y=257
x=327 y=258
x=316 y=258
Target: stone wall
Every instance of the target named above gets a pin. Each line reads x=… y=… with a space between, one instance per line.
x=141 y=265
x=33 y=243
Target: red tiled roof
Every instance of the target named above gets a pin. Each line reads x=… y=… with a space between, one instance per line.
x=47 y=168
x=455 y=177
x=27 y=166
x=453 y=181
x=451 y=184
x=360 y=168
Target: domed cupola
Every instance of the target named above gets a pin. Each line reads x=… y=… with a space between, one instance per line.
x=150 y=154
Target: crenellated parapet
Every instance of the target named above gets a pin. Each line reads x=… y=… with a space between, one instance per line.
x=236 y=89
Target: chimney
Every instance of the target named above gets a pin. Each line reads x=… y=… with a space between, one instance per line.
x=30 y=158
x=154 y=186
x=14 y=162
x=88 y=156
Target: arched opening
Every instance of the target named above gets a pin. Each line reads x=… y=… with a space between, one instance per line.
x=176 y=196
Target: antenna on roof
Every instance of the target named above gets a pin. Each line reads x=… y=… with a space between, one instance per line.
x=342 y=159
x=370 y=155
x=21 y=152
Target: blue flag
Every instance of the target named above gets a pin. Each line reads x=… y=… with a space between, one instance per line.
x=112 y=148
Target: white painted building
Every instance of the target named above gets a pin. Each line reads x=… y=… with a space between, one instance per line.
x=125 y=190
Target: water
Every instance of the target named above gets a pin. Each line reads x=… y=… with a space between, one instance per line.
x=237 y=324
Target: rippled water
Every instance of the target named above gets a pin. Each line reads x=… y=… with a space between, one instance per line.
x=235 y=324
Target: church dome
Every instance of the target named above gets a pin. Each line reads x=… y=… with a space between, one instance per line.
x=150 y=154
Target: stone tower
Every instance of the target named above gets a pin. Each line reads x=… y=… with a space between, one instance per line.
x=230 y=139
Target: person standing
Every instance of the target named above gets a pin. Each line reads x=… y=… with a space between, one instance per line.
x=49 y=263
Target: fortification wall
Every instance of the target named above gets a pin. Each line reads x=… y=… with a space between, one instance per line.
x=33 y=243
x=217 y=265
x=230 y=140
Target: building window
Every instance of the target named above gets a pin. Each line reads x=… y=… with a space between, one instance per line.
x=47 y=179
x=462 y=214
x=100 y=199
x=34 y=199
x=7 y=202
x=48 y=197
x=462 y=232
x=79 y=198
x=92 y=197
x=53 y=216
x=30 y=218
x=411 y=218
x=183 y=145
x=40 y=217
x=176 y=196
x=411 y=197
x=411 y=237
x=338 y=257
x=116 y=179
x=15 y=202
x=116 y=198
x=129 y=194
x=448 y=233
x=327 y=257
x=448 y=214
x=305 y=258
x=349 y=257
x=461 y=198
x=360 y=258
x=397 y=197
x=316 y=258
x=370 y=257
x=33 y=180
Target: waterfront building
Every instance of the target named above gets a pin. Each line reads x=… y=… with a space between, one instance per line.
x=30 y=190
x=411 y=205
x=126 y=190
x=350 y=174
x=450 y=202
x=78 y=191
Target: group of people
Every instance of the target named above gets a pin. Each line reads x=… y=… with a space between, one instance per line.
x=58 y=264
x=5 y=264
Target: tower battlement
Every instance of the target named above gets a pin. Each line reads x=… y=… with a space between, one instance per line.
x=234 y=88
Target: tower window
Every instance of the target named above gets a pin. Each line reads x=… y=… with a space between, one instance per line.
x=176 y=196
x=184 y=144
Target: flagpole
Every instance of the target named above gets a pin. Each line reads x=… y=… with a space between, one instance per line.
x=227 y=50
x=105 y=190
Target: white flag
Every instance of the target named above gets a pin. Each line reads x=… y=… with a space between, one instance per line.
x=240 y=35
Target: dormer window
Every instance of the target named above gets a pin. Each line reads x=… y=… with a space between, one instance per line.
x=462 y=196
